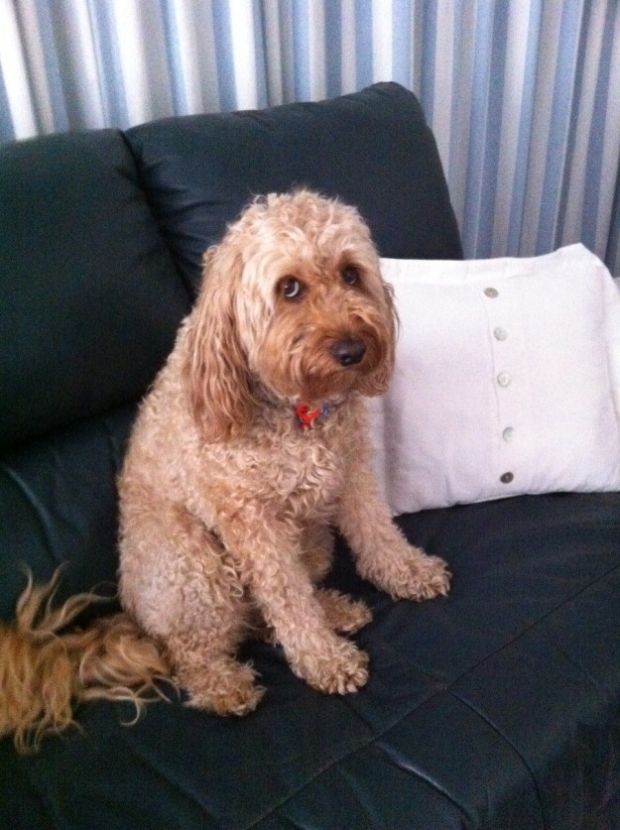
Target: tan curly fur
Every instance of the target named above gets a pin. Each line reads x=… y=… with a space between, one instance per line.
x=45 y=668
x=226 y=501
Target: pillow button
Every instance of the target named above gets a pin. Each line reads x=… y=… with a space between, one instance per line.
x=508 y=433
x=491 y=292
x=504 y=379
x=499 y=333
x=506 y=478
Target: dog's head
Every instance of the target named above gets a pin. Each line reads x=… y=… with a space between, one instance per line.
x=292 y=304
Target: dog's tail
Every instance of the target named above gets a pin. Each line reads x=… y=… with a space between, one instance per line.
x=46 y=667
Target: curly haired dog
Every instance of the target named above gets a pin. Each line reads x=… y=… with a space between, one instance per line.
x=249 y=447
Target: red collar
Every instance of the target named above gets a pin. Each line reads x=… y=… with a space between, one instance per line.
x=306 y=417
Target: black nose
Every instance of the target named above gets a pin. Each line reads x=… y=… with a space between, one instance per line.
x=348 y=352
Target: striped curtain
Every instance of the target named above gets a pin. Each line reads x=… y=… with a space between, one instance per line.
x=523 y=95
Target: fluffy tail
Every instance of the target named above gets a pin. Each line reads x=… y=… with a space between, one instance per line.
x=45 y=667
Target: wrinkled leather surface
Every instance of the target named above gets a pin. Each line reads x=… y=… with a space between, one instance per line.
x=373 y=149
x=496 y=708
x=90 y=296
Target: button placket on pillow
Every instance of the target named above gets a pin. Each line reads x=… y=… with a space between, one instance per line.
x=501 y=338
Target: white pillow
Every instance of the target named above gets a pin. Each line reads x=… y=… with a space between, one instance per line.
x=507 y=380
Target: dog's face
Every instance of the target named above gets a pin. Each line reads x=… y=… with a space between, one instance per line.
x=294 y=300
x=314 y=315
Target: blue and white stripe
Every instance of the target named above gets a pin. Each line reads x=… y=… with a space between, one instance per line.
x=523 y=95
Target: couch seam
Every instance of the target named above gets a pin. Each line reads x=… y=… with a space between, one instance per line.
x=532 y=626
x=141 y=183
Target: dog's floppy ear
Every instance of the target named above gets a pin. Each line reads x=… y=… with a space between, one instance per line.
x=378 y=382
x=215 y=369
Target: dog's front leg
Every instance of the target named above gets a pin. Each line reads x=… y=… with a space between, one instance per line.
x=382 y=553
x=267 y=553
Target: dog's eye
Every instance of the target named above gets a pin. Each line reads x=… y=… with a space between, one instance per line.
x=351 y=275
x=291 y=288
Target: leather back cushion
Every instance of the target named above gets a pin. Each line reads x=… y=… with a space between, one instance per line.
x=90 y=296
x=372 y=148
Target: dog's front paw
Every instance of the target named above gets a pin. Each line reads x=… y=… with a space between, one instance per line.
x=416 y=576
x=340 y=669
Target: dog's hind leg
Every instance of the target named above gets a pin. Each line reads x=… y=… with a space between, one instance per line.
x=212 y=677
x=184 y=590
x=343 y=613
x=317 y=546
x=202 y=651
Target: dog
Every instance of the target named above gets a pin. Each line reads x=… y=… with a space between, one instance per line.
x=249 y=448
